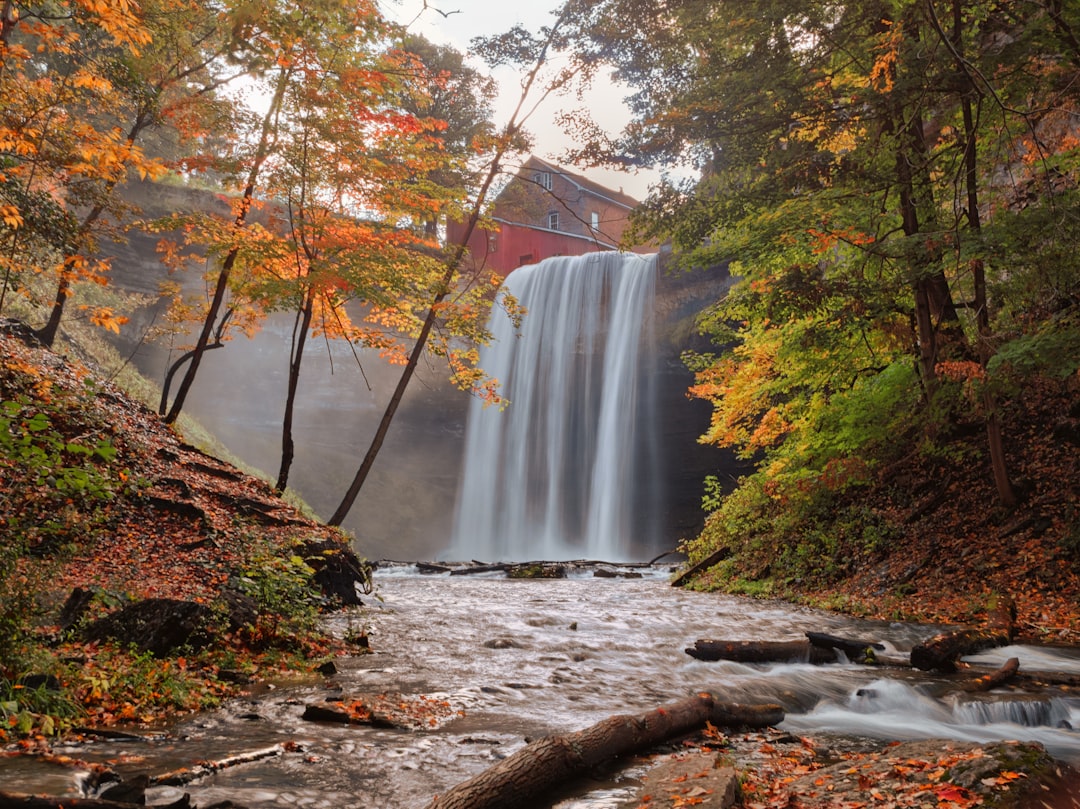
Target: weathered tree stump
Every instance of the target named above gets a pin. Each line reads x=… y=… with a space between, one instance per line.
x=543 y=765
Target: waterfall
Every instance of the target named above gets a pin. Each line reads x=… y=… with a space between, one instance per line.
x=561 y=472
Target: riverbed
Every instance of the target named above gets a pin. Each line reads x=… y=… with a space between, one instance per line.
x=514 y=660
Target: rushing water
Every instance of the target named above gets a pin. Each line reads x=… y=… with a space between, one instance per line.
x=556 y=473
x=521 y=659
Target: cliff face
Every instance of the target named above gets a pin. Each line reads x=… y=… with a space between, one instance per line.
x=405 y=509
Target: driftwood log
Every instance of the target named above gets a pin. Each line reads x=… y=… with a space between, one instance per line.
x=188 y=774
x=761 y=651
x=856 y=651
x=994 y=678
x=546 y=764
x=712 y=559
x=941 y=652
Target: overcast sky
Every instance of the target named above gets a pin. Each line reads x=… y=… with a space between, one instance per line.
x=465 y=19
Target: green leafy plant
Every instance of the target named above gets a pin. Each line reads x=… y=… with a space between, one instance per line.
x=283 y=590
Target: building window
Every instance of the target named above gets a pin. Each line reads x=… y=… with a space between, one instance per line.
x=596 y=220
x=543 y=179
x=553 y=220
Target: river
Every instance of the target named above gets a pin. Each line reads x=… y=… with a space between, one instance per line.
x=518 y=659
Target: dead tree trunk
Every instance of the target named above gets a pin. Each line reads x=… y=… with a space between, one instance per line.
x=546 y=764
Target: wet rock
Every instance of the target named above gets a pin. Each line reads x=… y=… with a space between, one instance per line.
x=688 y=780
x=75 y=607
x=157 y=625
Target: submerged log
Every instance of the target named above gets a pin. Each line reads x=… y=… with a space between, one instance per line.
x=468 y=570
x=546 y=764
x=186 y=775
x=761 y=651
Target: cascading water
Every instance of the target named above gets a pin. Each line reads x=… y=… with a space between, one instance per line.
x=558 y=473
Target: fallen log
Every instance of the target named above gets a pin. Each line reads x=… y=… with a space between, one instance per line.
x=857 y=651
x=18 y=800
x=548 y=763
x=994 y=678
x=468 y=570
x=186 y=775
x=698 y=567
x=941 y=652
x=761 y=651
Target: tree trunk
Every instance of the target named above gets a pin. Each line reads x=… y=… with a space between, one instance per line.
x=506 y=141
x=261 y=153
x=548 y=763
x=978 y=271
x=299 y=340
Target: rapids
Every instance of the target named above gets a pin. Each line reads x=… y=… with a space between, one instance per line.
x=524 y=658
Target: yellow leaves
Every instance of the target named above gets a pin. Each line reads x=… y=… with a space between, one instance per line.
x=883 y=73
x=11 y=216
x=107 y=319
x=85 y=80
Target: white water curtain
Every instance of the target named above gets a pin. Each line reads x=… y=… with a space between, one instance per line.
x=555 y=475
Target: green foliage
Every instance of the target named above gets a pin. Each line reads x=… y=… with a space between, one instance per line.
x=29 y=439
x=35 y=705
x=20 y=580
x=284 y=592
x=1054 y=350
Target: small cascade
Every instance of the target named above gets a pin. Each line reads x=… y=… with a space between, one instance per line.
x=1029 y=713
x=889 y=709
x=560 y=472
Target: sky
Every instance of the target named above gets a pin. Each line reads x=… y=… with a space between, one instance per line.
x=461 y=20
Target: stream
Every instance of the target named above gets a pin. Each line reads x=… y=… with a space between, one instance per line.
x=519 y=659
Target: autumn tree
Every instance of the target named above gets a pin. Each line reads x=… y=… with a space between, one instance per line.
x=444 y=88
x=878 y=172
x=540 y=79
x=58 y=152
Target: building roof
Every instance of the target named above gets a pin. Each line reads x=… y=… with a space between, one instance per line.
x=582 y=182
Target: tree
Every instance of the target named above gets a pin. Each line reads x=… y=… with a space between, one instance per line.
x=517 y=47
x=456 y=94
x=57 y=153
x=849 y=155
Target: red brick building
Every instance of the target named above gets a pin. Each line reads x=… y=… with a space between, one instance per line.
x=547 y=211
